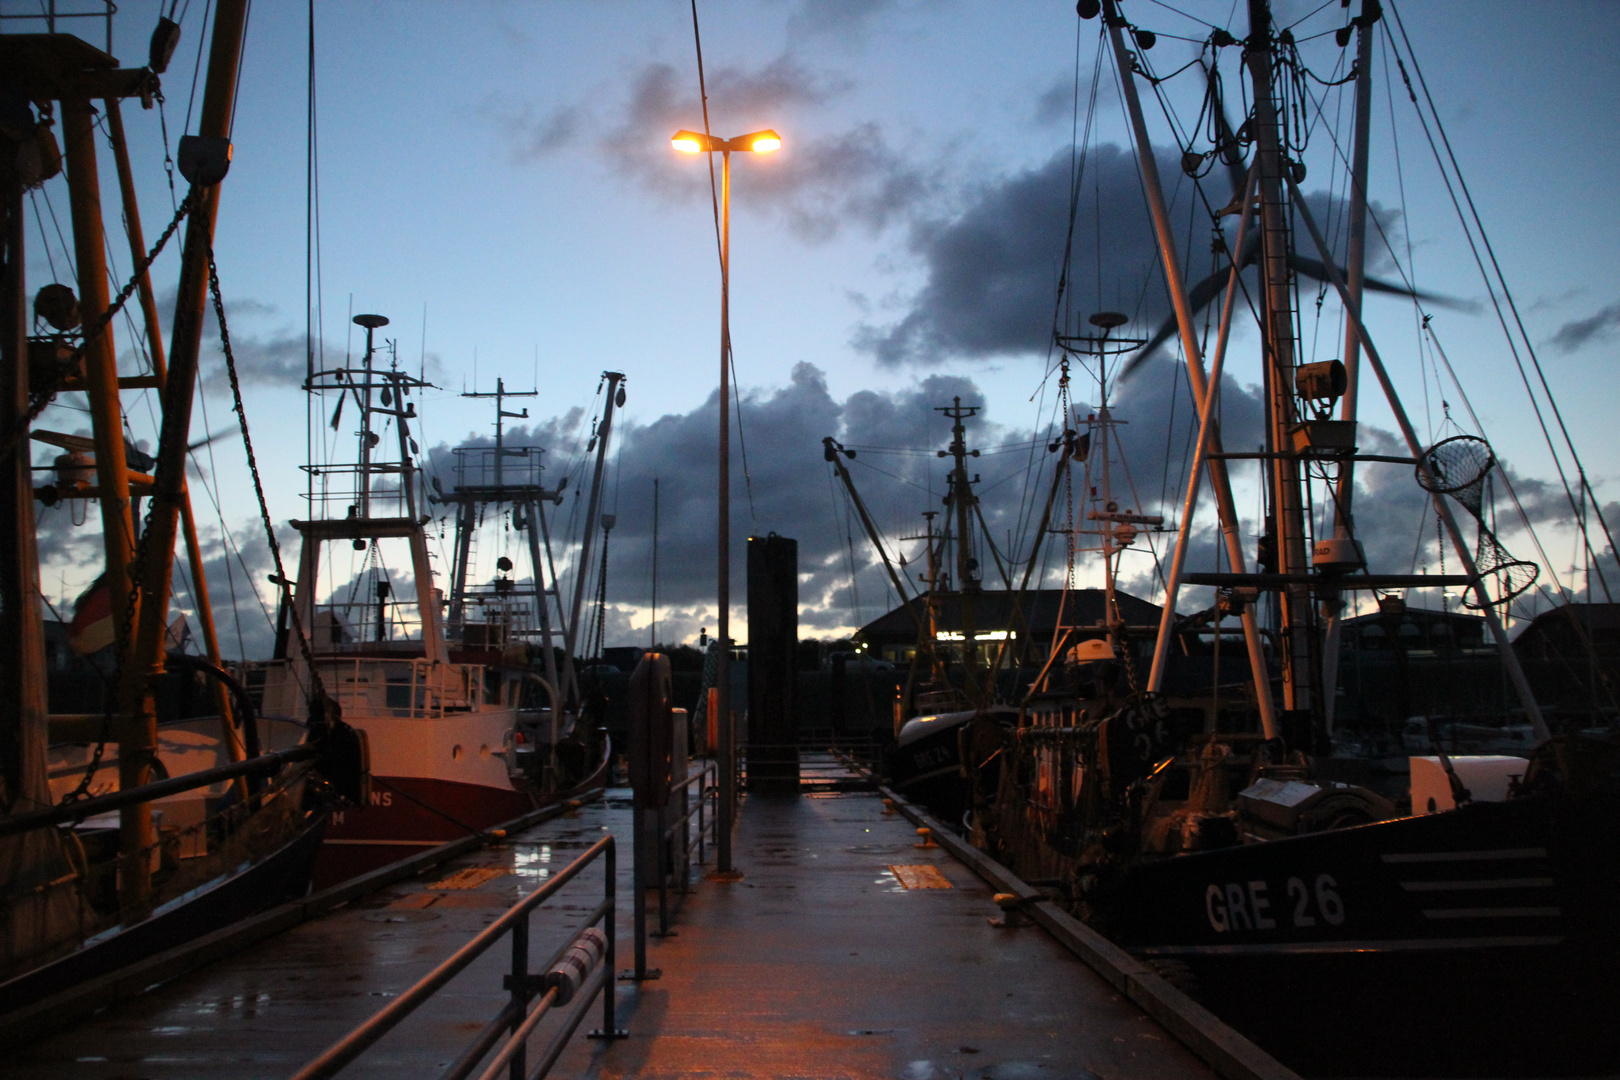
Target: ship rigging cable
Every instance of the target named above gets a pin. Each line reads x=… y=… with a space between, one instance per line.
x=714 y=199
x=1507 y=294
x=318 y=690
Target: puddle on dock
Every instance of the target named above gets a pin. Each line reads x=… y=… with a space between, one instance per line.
x=401 y=915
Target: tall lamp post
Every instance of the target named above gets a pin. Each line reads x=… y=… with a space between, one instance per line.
x=693 y=142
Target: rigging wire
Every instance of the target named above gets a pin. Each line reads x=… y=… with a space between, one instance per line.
x=1491 y=285
x=714 y=199
x=67 y=249
x=196 y=67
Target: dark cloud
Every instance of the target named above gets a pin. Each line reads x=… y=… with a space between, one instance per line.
x=1577 y=333
x=843 y=20
x=786 y=490
x=817 y=183
x=896 y=434
x=1056 y=103
x=269 y=350
x=991 y=271
x=542 y=134
x=789 y=489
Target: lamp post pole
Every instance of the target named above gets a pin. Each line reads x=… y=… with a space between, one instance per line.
x=728 y=739
x=692 y=142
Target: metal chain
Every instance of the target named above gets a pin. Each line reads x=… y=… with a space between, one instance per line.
x=168 y=160
x=237 y=407
x=82 y=791
x=42 y=397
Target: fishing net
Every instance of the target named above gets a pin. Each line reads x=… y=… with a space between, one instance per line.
x=1503 y=576
x=1461 y=467
x=1457 y=467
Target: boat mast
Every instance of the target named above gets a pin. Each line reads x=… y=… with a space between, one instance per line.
x=1176 y=287
x=652 y=626
x=143 y=659
x=1493 y=621
x=372 y=324
x=232 y=738
x=39 y=918
x=1107 y=522
x=467 y=519
x=933 y=576
x=1344 y=519
x=961 y=500
x=1287 y=506
x=928 y=631
x=603 y=431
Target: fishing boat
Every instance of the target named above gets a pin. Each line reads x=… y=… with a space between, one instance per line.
x=445 y=692
x=1206 y=831
x=134 y=828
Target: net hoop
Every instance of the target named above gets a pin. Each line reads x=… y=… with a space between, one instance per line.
x=1455 y=464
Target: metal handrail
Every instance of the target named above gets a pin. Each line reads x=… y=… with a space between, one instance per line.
x=667 y=859
x=524 y=986
x=704 y=791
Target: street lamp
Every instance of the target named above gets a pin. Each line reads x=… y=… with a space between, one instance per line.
x=693 y=142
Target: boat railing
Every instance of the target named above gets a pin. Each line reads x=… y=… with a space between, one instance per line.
x=489 y=467
x=58 y=10
x=229 y=836
x=340 y=486
x=411 y=688
x=347 y=622
x=580 y=970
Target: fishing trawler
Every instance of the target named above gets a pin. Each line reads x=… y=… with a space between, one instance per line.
x=129 y=830
x=1206 y=833
x=450 y=706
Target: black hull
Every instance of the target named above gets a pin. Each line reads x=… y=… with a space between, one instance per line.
x=283 y=876
x=929 y=772
x=1478 y=942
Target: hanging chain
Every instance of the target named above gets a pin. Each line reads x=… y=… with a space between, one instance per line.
x=1440 y=546
x=318 y=690
x=42 y=398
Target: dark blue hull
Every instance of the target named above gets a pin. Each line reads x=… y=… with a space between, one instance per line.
x=929 y=772
x=1478 y=942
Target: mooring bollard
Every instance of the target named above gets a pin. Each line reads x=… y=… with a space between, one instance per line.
x=1012 y=911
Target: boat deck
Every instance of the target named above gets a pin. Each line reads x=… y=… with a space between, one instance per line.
x=818 y=962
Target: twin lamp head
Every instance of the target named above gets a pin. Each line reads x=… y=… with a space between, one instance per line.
x=695 y=142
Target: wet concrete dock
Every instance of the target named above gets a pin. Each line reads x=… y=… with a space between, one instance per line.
x=818 y=962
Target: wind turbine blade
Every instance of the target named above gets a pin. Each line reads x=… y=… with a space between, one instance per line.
x=1199 y=297
x=1316 y=269
x=200 y=443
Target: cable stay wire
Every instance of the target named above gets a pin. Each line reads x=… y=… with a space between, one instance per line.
x=1492 y=285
